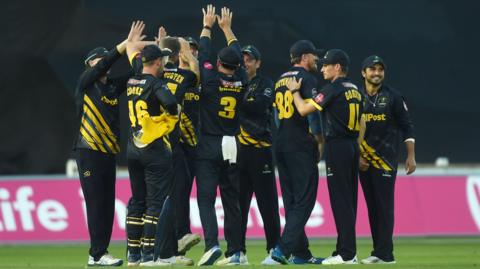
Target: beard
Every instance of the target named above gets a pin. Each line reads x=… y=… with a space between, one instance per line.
x=375 y=81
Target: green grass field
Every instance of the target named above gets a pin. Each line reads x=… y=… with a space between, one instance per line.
x=409 y=252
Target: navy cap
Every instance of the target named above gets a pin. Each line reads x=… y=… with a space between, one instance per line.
x=153 y=52
x=335 y=56
x=95 y=53
x=230 y=57
x=252 y=51
x=192 y=41
x=371 y=61
x=303 y=47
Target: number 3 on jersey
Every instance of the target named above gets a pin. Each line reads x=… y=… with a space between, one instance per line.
x=284 y=104
x=140 y=111
x=229 y=104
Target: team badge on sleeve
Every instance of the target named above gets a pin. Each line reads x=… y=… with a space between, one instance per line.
x=208 y=65
x=319 y=98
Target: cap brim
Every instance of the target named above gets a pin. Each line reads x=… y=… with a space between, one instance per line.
x=323 y=61
x=249 y=52
x=166 y=52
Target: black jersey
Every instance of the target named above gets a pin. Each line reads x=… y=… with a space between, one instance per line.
x=152 y=107
x=180 y=82
x=221 y=95
x=293 y=130
x=342 y=106
x=97 y=106
x=189 y=119
x=256 y=113
x=387 y=119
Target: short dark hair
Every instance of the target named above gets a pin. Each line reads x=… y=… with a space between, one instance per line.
x=344 y=69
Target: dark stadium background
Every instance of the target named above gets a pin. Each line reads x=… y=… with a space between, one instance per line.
x=431 y=49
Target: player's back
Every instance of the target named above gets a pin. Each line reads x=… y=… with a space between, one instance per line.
x=220 y=99
x=293 y=131
x=342 y=113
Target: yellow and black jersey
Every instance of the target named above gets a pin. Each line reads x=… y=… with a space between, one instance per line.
x=293 y=132
x=152 y=108
x=182 y=83
x=342 y=105
x=256 y=113
x=387 y=121
x=97 y=107
x=220 y=96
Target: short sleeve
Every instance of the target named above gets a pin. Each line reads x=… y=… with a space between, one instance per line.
x=323 y=98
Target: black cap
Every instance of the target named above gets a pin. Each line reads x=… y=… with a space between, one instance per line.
x=303 y=47
x=335 y=56
x=95 y=53
x=192 y=41
x=229 y=57
x=152 y=52
x=371 y=61
x=252 y=51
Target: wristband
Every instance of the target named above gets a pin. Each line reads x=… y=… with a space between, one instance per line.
x=294 y=91
x=207 y=27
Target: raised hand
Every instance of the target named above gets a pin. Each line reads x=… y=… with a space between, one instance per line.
x=162 y=33
x=136 y=31
x=209 y=16
x=225 y=20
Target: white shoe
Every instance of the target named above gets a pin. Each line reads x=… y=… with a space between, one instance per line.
x=337 y=259
x=269 y=261
x=236 y=259
x=182 y=260
x=376 y=260
x=187 y=242
x=210 y=256
x=160 y=262
x=105 y=260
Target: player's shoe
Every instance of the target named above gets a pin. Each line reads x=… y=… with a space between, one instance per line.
x=277 y=255
x=184 y=261
x=133 y=259
x=298 y=260
x=187 y=242
x=376 y=260
x=105 y=260
x=269 y=261
x=236 y=259
x=159 y=262
x=210 y=256
x=337 y=259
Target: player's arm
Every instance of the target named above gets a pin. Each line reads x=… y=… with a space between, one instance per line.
x=166 y=98
x=225 y=23
x=204 y=43
x=405 y=125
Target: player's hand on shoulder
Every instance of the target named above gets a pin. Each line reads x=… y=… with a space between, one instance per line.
x=294 y=84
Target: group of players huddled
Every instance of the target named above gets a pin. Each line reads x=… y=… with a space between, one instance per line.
x=191 y=117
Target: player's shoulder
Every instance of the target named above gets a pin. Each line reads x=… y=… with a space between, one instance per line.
x=264 y=79
x=392 y=91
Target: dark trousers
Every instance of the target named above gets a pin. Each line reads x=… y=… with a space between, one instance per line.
x=151 y=181
x=184 y=166
x=97 y=177
x=257 y=175
x=378 y=187
x=210 y=174
x=341 y=158
x=298 y=174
